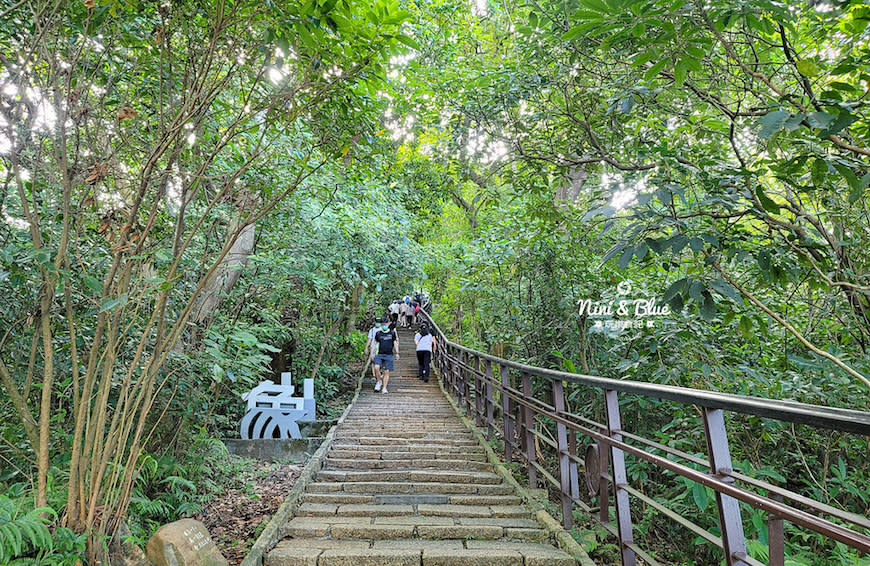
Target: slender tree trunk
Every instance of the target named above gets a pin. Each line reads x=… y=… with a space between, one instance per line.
x=225 y=277
x=353 y=308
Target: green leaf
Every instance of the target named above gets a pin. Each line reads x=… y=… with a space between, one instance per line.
x=42 y=256
x=807 y=68
x=707 y=305
x=795 y=121
x=849 y=175
x=596 y=5
x=408 y=41
x=696 y=51
x=726 y=290
x=745 y=327
x=766 y=202
x=641 y=250
x=680 y=71
x=93 y=283
x=820 y=120
x=675 y=289
x=858 y=191
x=625 y=258
x=763 y=259
x=110 y=303
x=573 y=32
x=844 y=120
x=678 y=242
x=699 y=494
x=676 y=303
x=772 y=122
x=655 y=69
x=696 y=291
x=613 y=251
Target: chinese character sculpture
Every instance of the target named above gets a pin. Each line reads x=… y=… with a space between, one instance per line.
x=273 y=411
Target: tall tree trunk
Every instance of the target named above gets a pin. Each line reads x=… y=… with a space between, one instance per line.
x=225 y=277
x=353 y=308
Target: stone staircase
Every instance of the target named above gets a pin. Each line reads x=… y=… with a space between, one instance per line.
x=406 y=483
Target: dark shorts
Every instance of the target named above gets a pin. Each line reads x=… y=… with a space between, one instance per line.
x=384 y=360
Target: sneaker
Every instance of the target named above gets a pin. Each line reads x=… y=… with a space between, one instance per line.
x=378 y=386
x=384 y=390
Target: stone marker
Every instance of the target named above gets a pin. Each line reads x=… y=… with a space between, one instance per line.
x=184 y=543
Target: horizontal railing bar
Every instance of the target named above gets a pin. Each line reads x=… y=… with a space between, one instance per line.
x=546 y=440
x=816 y=505
x=848 y=516
x=797 y=516
x=643 y=554
x=847 y=420
x=549 y=477
x=682 y=521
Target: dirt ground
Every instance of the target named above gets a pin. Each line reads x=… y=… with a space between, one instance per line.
x=236 y=517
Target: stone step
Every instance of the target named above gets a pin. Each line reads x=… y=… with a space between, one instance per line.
x=348 y=453
x=336 y=498
x=406 y=527
x=441 y=476
x=501 y=515
x=412 y=499
x=414 y=552
x=367 y=464
x=421 y=447
x=408 y=438
x=417 y=487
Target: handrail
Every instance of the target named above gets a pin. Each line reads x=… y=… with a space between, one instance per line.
x=845 y=420
x=471 y=377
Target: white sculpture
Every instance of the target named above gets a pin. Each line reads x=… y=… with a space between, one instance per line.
x=272 y=408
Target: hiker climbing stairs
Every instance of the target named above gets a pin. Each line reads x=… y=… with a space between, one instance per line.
x=405 y=482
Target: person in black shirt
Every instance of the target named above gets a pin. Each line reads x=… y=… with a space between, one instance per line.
x=387 y=343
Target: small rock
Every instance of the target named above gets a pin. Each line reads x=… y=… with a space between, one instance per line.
x=122 y=553
x=184 y=543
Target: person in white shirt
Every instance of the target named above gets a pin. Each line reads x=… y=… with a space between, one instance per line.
x=394 y=312
x=425 y=342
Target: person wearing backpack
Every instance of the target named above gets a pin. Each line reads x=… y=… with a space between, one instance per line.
x=371 y=346
x=425 y=342
x=387 y=344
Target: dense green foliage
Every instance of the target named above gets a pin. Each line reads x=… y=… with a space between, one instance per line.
x=199 y=195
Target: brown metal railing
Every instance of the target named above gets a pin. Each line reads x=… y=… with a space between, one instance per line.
x=499 y=394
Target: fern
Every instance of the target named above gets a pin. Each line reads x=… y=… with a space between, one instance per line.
x=21 y=533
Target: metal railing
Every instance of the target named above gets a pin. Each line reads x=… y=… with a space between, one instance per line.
x=499 y=394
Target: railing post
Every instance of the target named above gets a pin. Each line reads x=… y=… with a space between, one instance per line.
x=442 y=354
x=775 y=537
x=564 y=459
x=507 y=415
x=620 y=480
x=467 y=383
x=531 y=453
x=603 y=484
x=572 y=450
x=457 y=376
x=478 y=397
x=489 y=408
x=730 y=522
